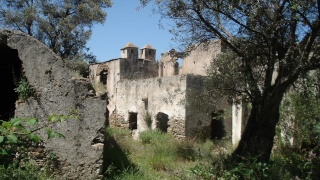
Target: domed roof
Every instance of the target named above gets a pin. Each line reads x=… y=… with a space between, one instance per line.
x=129 y=45
x=147 y=46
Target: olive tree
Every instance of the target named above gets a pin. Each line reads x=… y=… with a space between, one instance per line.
x=270 y=44
x=63 y=25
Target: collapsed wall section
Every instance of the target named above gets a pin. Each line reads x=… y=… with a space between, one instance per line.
x=200 y=58
x=56 y=92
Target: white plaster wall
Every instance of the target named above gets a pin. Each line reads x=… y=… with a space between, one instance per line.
x=236 y=123
x=112 y=79
x=166 y=94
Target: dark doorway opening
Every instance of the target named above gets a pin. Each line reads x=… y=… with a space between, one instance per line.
x=104 y=77
x=217 y=125
x=10 y=74
x=162 y=122
x=133 y=120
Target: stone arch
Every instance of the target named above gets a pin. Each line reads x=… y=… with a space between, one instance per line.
x=162 y=120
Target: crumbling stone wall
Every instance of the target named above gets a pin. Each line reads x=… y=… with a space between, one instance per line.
x=151 y=96
x=168 y=65
x=200 y=58
x=56 y=92
x=138 y=69
x=176 y=97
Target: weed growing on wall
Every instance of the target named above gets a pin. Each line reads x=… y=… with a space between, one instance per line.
x=23 y=89
x=148 y=120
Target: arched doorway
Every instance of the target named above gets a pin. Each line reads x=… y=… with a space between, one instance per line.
x=10 y=74
x=162 y=121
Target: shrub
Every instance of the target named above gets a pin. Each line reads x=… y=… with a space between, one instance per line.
x=78 y=67
x=27 y=172
x=23 y=89
x=187 y=150
x=295 y=162
x=18 y=134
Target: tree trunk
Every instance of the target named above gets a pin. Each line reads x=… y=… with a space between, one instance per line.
x=257 y=138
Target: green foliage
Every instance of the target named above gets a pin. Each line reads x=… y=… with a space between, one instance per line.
x=293 y=162
x=298 y=145
x=154 y=137
x=130 y=174
x=18 y=134
x=158 y=156
x=300 y=113
x=27 y=172
x=267 y=46
x=79 y=66
x=148 y=120
x=64 y=26
x=202 y=171
x=23 y=89
x=225 y=69
x=118 y=142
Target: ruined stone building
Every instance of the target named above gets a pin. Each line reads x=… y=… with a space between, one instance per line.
x=144 y=93
x=134 y=91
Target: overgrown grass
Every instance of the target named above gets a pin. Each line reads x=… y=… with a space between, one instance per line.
x=157 y=155
x=26 y=172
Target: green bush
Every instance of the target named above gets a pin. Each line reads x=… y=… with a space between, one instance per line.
x=79 y=68
x=18 y=134
x=187 y=150
x=295 y=162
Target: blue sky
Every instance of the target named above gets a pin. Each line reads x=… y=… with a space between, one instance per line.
x=126 y=24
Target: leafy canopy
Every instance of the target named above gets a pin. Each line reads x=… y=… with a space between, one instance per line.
x=273 y=42
x=63 y=25
x=269 y=45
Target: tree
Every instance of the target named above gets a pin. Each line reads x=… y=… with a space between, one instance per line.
x=271 y=43
x=63 y=25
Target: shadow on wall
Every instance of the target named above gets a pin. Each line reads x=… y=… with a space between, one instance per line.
x=115 y=161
